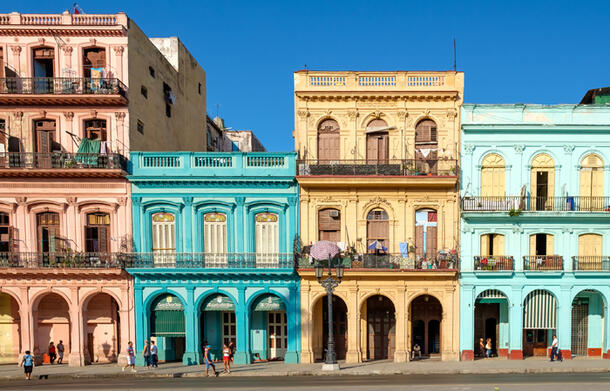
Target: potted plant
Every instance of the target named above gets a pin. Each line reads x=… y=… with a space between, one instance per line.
x=514 y=212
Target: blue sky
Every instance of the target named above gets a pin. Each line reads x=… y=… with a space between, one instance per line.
x=511 y=51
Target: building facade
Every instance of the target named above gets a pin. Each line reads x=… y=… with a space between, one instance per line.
x=214 y=237
x=378 y=172
x=535 y=229
x=68 y=119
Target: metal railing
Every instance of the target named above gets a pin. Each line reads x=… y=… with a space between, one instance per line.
x=494 y=262
x=62 y=160
x=62 y=86
x=212 y=261
x=543 y=262
x=387 y=262
x=69 y=260
x=592 y=262
x=532 y=204
x=389 y=167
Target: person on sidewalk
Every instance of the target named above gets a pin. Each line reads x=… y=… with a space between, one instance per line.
x=488 y=348
x=131 y=357
x=226 y=358
x=27 y=362
x=153 y=354
x=555 y=354
x=481 y=347
x=207 y=359
x=52 y=352
x=146 y=353
x=232 y=347
x=416 y=351
x=60 y=352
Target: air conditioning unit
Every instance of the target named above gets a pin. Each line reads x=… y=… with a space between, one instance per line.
x=334 y=213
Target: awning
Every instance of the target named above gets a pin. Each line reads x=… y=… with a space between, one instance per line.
x=491 y=296
x=219 y=303
x=168 y=303
x=168 y=324
x=269 y=303
x=540 y=310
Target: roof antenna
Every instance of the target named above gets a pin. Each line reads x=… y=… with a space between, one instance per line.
x=217 y=109
x=454 y=56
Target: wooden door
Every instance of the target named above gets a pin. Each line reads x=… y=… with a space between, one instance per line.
x=377 y=148
x=277 y=334
x=48 y=232
x=381 y=326
x=44 y=131
x=329 y=225
x=328 y=147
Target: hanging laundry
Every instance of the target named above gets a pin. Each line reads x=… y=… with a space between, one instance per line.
x=96 y=78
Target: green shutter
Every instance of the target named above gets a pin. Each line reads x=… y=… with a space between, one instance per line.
x=168 y=323
x=540 y=310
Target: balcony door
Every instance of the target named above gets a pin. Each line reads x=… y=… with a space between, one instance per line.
x=426 y=146
x=97 y=233
x=377 y=229
x=47 y=226
x=267 y=239
x=492 y=245
x=215 y=239
x=328 y=142
x=94 y=59
x=163 y=237
x=426 y=233
x=542 y=182
x=493 y=177
x=95 y=129
x=377 y=142
x=44 y=70
x=592 y=183
x=45 y=136
x=6 y=234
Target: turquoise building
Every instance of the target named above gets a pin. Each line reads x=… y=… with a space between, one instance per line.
x=535 y=229
x=213 y=234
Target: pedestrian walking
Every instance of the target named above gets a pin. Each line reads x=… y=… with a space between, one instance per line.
x=481 y=347
x=146 y=353
x=60 y=352
x=226 y=358
x=208 y=361
x=52 y=352
x=488 y=348
x=131 y=357
x=555 y=353
x=27 y=362
x=153 y=354
x=232 y=347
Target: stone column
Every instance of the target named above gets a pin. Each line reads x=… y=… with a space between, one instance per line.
x=353 y=354
x=564 y=329
x=117 y=134
x=141 y=323
x=240 y=234
x=401 y=351
x=68 y=60
x=307 y=324
x=187 y=214
x=467 y=308
x=242 y=353
x=26 y=327
x=118 y=53
x=192 y=354
x=17 y=59
x=64 y=138
x=515 y=318
x=76 y=357
x=292 y=315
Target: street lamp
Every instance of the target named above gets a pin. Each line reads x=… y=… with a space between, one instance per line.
x=330 y=283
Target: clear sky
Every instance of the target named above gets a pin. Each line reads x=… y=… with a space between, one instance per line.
x=511 y=51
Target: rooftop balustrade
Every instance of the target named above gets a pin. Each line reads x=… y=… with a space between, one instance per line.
x=64 y=19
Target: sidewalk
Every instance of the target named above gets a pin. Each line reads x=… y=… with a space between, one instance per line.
x=385 y=367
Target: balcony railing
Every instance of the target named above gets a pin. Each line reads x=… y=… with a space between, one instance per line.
x=62 y=86
x=592 y=262
x=494 y=262
x=212 y=261
x=69 y=260
x=387 y=262
x=388 y=167
x=62 y=160
x=535 y=204
x=543 y=262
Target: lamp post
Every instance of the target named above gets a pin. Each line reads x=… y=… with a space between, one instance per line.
x=330 y=283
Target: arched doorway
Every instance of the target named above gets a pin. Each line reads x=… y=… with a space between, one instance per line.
x=10 y=329
x=380 y=328
x=329 y=141
x=52 y=324
x=491 y=321
x=320 y=328
x=539 y=322
x=269 y=328
x=218 y=325
x=168 y=327
x=377 y=142
x=102 y=329
x=588 y=313
x=426 y=317
x=542 y=182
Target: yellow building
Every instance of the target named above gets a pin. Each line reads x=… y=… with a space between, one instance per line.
x=378 y=172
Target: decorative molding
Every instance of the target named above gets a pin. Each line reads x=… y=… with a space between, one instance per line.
x=468 y=148
x=352 y=114
x=303 y=114
x=69 y=115
x=136 y=201
x=519 y=148
x=402 y=114
x=71 y=201
x=517 y=229
x=122 y=201
x=16 y=50
x=240 y=201
x=118 y=50
x=568 y=148
x=188 y=201
x=18 y=115
x=67 y=50
x=120 y=116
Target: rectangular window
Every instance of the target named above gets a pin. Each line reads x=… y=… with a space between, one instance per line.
x=140 y=127
x=199 y=89
x=151 y=70
x=144 y=91
x=169 y=99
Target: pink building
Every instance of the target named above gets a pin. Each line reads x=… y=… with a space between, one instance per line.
x=77 y=93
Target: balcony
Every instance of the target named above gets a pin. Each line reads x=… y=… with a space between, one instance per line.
x=542 y=262
x=388 y=262
x=591 y=263
x=62 y=91
x=390 y=167
x=64 y=260
x=494 y=263
x=56 y=164
x=219 y=262
x=536 y=204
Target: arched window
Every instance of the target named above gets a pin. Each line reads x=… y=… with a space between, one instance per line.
x=215 y=233
x=590 y=245
x=542 y=181
x=493 y=178
x=377 y=142
x=492 y=244
x=592 y=183
x=377 y=230
x=329 y=141
x=329 y=225
x=163 y=233
x=97 y=233
x=426 y=232
x=267 y=233
x=426 y=146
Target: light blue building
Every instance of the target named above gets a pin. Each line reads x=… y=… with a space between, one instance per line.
x=214 y=235
x=535 y=234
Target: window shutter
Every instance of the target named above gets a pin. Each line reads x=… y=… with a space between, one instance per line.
x=532 y=245
x=419 y=240
x=498 y=244
x=485 y=245
x=431 y=241
x=550 y=245
x=103 y=239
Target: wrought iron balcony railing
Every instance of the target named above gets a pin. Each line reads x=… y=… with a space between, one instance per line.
x=494 y=262
x=535 y=204
x=383 y=167
x=388 y=262
x=212 y=261
x=592 y=263
x=543 y=262
x=62 y=160
x=67 y=260
x=62 y=86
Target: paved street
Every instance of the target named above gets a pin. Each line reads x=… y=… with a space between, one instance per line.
x=538 y=382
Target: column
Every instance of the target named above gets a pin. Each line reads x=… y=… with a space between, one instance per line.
x=467 y=308
x=564 y=329
x=141 y=320
x=76 y=357
x=515 y=317
x=192 y=354
x=118 y=53
x=64 y=138
x=67 y=60
x=354 y=354
x=138 y=229
x=242 y=353
x=17 y=59
x=292 y=315
x=25 y=325
x=117 y=134
x=187 y=213
x=401 y=353
x=239 y=226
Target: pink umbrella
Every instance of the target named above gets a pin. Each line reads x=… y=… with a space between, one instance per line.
x=324 y=250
